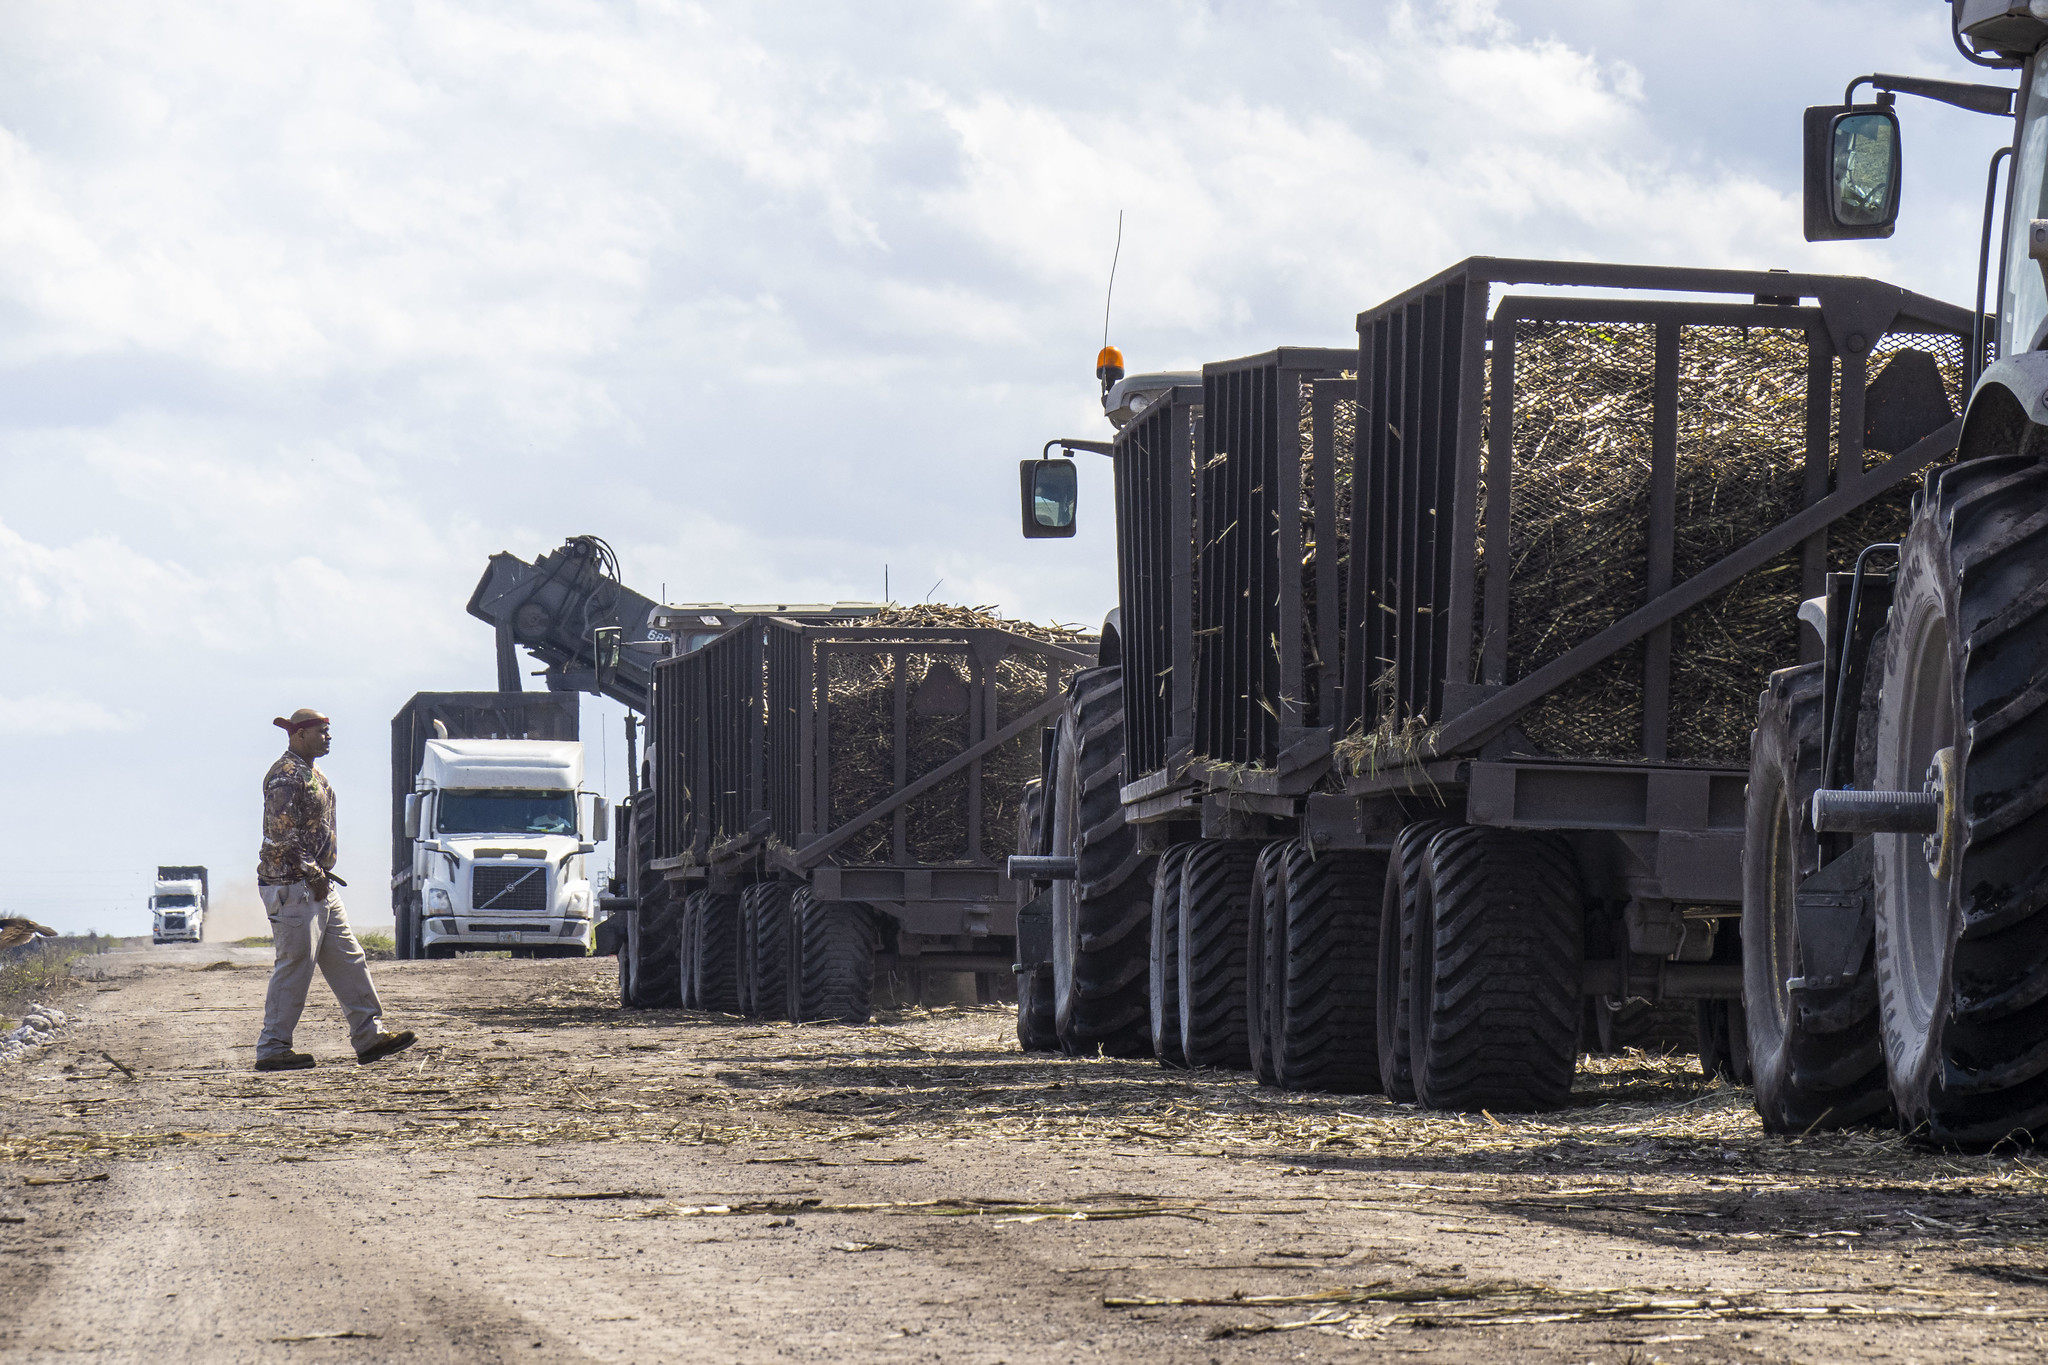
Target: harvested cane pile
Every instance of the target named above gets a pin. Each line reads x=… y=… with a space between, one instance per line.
x=1579 y=526
x=940 y=687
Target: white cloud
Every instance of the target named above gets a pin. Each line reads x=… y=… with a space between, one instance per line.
x=44 y=715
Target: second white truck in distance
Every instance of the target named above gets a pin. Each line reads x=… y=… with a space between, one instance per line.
x=500 y=829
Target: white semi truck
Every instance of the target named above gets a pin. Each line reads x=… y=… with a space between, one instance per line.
x=177 y=905
x=493 y=826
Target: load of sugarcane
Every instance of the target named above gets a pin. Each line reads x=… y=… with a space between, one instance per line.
x=1579 y=526
x=938 y=688
x=1580 y=521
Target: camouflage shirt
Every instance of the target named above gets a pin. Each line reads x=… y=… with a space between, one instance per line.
x=298 y=822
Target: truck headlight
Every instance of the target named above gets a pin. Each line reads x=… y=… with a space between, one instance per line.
x=437 y=899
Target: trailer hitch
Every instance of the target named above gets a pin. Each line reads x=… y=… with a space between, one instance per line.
x=1876 y=812
x=1933 y=812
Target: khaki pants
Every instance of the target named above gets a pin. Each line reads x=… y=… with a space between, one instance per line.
x=307 y=932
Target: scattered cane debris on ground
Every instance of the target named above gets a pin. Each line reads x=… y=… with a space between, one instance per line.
x=1194 y=1204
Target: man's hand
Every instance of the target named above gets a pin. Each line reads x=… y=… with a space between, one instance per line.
x=316 y=884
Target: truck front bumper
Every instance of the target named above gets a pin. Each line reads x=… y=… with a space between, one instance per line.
x=506 y=931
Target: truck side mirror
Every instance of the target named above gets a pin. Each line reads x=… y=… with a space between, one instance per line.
x=412 y=815
x=1852 y=171
x=1050 y=489
x=600 y=820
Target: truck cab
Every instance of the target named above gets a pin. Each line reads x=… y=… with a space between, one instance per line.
x=500 y=829
x=177 y=905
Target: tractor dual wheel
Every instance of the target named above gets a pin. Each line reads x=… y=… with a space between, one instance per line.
x=1322 y=986
x=1962 y=915
x=1498 y=959
x=1264 y=952
x=1102 y=918
x=831 y=960
x=1216 y=887
x=650 y=958
x=1163 y=957
x=1406 y=883
x=764 y=949
x=1814 y=1055
x=711 y=958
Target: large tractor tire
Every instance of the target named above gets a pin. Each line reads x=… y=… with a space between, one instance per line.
x=1323 y=1000
x=714 y=956
x=1163 y=997
x=832 y=960
x=1035 y=1031
x=1394 y=1007
x=403 y=932
x=764 y=943
x=1499 y=958
x=1815 y=1056
x=650 y=961
x=1962 y=917
x=1101 y=919
x=1215 y=899
x=1265 y=952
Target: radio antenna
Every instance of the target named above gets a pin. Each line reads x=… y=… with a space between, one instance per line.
x=1111 y=293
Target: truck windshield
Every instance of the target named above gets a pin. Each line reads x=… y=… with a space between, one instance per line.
x=507 y=812
x=177 y=902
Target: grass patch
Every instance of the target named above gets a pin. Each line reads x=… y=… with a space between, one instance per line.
x=41 y=969
x=255 y=941
x=378 y=946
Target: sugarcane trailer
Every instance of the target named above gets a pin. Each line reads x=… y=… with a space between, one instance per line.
x=1299 y=924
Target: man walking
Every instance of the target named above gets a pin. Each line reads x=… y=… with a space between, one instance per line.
x=295 y=876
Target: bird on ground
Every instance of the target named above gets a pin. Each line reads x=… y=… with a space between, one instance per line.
x=14 y=932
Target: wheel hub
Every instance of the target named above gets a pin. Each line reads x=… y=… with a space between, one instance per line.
x=1939 y=848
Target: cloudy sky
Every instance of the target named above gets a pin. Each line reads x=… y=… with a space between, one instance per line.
x=306 y=309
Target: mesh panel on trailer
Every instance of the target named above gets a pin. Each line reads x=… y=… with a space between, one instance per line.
x=1329 y=428
x=1411 y=396
x=1578 y=525
x=883 y=713
x=668 y=743
x=788 y=679
x=1154 y=483
x=1577 y=520
x=731 y=731
x=1257 y=663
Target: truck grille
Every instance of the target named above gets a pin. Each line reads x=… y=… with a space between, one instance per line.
x=173 y=922
x=519 y=887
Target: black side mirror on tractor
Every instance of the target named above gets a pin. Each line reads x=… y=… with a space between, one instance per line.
x=1049 y=489
x=1852 y=171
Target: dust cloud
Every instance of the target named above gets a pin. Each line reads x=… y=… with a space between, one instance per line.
x=236 y=912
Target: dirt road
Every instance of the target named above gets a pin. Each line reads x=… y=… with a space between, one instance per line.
x=547 y=1178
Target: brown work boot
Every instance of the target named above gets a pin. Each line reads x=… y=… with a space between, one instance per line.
x=386 y=1044
x=286 y=1061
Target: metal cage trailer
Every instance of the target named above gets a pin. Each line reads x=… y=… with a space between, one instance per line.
x=832 y=804
x=1447 y=760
